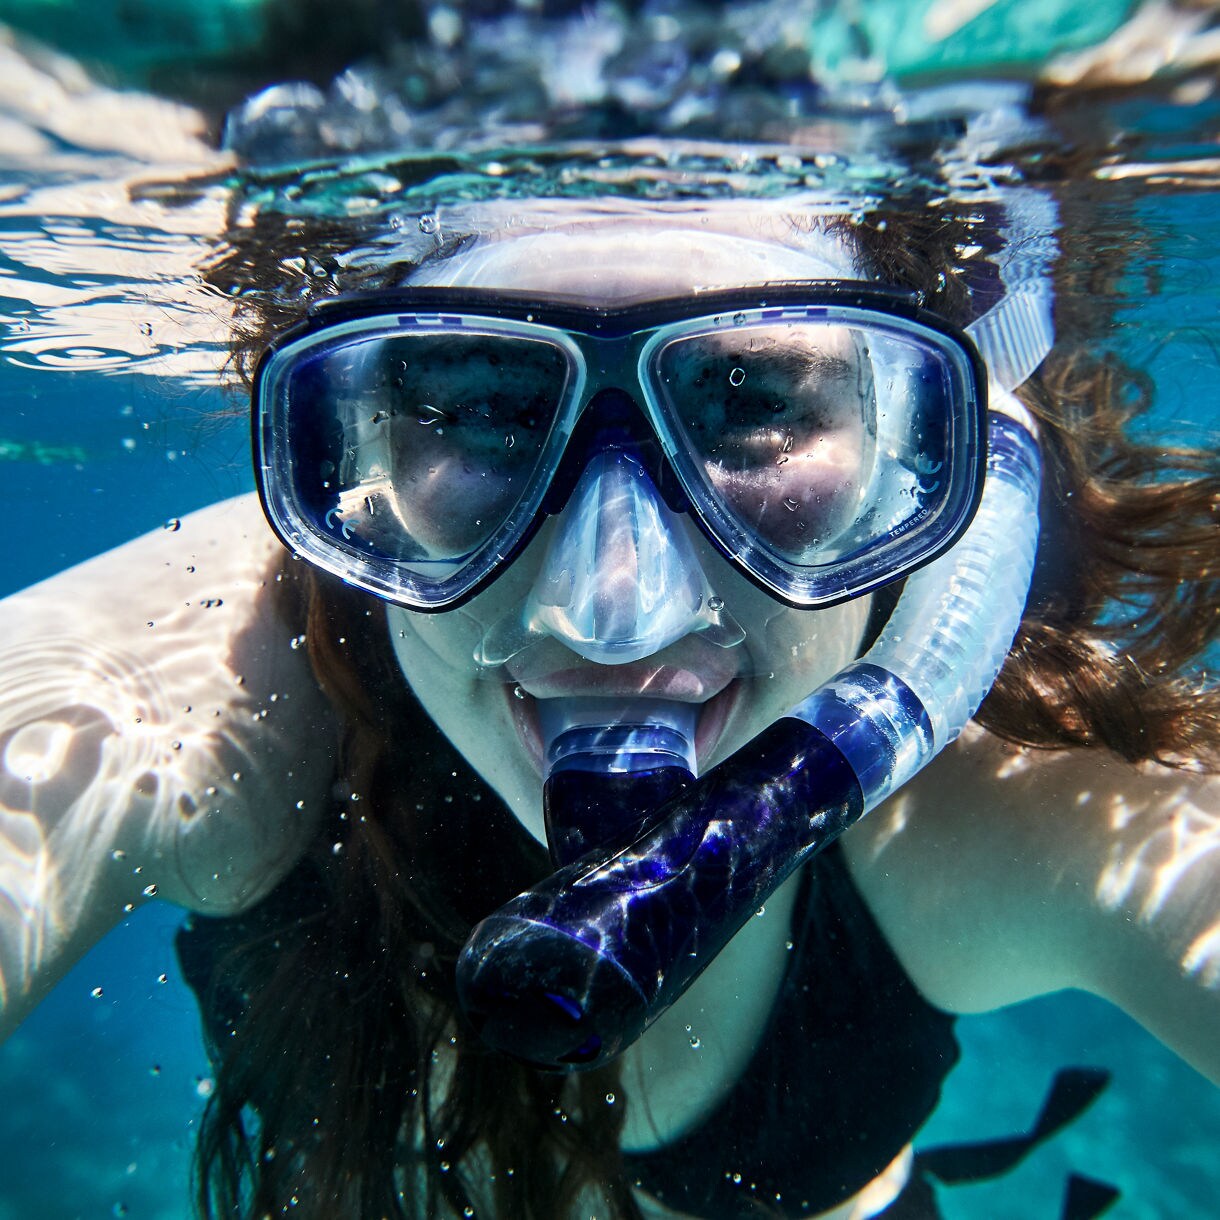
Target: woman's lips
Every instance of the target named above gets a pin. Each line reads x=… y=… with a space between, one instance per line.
x=689 y=671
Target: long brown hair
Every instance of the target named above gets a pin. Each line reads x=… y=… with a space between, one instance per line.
x=345 y=1083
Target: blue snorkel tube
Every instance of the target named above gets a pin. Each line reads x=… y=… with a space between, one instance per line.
x=570 y=973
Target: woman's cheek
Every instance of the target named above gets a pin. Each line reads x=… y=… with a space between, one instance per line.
x=801 y=503
x=451 y=507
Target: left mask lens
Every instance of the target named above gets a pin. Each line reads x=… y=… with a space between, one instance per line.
x=415 y=449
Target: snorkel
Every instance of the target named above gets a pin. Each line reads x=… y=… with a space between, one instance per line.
x=659 y=869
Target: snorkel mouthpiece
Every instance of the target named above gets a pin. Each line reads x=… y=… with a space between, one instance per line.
x=570 y=973
x=610 y=766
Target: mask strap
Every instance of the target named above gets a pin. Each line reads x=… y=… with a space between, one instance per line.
x=1017 y=333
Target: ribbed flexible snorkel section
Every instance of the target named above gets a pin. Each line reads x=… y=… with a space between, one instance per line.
x=570 y=973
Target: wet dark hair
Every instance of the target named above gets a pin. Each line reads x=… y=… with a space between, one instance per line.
x=345 y=1082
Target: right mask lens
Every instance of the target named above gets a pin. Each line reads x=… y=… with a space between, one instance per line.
x=809 y=445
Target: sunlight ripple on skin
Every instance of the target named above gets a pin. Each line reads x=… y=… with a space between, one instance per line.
x=1155 y=853
x=132 y=771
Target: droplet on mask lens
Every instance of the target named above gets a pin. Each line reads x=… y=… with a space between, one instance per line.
x=737 y=376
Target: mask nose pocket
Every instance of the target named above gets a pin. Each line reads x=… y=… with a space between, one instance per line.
x=620 y=579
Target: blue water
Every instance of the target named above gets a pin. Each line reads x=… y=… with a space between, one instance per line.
x=100 y=1095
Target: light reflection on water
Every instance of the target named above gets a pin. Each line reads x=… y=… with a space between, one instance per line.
x=115 y=419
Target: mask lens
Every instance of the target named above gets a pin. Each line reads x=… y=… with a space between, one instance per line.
x=416 y=448
x=813 y=442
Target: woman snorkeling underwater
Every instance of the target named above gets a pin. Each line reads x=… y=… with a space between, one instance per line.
x=600 y=489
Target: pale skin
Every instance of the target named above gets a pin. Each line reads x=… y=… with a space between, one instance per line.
x=996 y=875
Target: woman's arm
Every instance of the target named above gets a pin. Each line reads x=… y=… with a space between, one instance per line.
x=159 y=735
x=1001 y=874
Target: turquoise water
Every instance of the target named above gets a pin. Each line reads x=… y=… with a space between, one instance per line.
x=105 y=433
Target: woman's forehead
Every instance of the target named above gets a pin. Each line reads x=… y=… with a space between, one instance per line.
x=616 y=260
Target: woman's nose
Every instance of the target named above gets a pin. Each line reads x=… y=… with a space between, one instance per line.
x=620 y=579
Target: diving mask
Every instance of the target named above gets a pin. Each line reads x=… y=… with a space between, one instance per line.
x=826 y=438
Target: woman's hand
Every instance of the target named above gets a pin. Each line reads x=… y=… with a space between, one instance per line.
x=160 y=734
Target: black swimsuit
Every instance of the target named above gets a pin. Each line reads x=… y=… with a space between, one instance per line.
x=850 y=1067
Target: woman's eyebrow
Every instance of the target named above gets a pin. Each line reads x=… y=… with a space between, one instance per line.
x=794 y=360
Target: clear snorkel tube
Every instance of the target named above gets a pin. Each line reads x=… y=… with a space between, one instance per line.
x=568 y=974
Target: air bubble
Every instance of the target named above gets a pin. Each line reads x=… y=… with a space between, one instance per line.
x=737 y=376
x=428 y=223
x=150 y=891
x=715 y=604
x=791 y=505
x=172 y=524
x=146 y=329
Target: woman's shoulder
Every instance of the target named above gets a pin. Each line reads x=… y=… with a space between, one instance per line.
x=1001 y=873
x=152 y=700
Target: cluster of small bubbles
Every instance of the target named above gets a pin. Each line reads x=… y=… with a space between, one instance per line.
x=560 y=1114
x=210 y=603
x=737 y=376
x=695 y=1041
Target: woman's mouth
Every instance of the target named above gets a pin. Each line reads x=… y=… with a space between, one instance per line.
x=714 y=687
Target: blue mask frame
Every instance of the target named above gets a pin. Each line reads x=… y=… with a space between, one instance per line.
x=613 y=396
